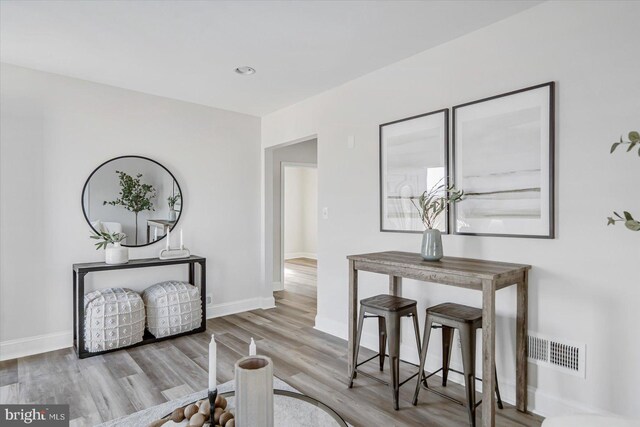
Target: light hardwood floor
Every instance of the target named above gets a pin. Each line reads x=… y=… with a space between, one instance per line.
x=109 y=386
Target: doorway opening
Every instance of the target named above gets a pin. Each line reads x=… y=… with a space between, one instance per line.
x=291 y=223
x=299 y=227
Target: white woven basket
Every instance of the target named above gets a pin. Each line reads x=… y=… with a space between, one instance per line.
x=172 y=307
x=114 y=318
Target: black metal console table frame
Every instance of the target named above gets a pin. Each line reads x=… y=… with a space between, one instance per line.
x=81 y=270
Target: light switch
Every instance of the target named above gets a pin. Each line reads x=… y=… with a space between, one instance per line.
x=325 y=213
x=351 y=141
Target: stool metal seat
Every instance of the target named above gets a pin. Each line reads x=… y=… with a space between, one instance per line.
x=466 y=320
x=389 y=309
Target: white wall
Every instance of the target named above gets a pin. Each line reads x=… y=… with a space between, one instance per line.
x=585 y=284
x=300 y=212
x=54 y=131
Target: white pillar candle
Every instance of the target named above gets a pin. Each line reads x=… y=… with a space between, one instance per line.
x=168 y=238
x=181 y=241
x=212 y=363
x=155 y=233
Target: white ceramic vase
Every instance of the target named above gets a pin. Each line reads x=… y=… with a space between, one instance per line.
x=254 y=392
x=116 y=254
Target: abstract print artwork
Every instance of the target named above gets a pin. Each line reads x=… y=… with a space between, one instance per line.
x=413 y=158
x=503 y=160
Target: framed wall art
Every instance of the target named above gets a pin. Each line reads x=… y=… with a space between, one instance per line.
x=503 y=159
x=413 y=158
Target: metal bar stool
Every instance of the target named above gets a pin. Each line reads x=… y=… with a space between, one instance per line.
x=466 y=320
x=389 y=309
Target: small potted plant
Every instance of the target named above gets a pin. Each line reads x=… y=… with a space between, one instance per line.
x=172 y=200
x=430 y=205
x=114 y=252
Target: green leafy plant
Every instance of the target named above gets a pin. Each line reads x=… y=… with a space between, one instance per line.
x=634 y=139
x=135 y=196
x=626 y=217
x=172 y=200
x=433 y=202
x=106 y=238
x=628 y=220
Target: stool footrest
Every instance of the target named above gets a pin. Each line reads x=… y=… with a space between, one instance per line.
x=446 y=396
x=440 y=370
x=368 y=360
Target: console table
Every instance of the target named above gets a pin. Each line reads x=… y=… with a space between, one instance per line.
x=81 y=270
x=479 y=275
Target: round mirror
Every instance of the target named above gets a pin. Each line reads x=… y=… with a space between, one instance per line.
x=133 y=195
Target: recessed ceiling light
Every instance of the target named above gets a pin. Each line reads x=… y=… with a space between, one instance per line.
x=245 y=70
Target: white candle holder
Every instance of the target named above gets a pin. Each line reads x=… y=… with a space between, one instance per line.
x=174 y=253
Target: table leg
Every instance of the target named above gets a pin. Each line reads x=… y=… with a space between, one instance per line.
x=488 y=352
x=80 y=310
x=395 y=285
x=203 y=291
x=521 y=343
x=75 y=311
x=353 y=314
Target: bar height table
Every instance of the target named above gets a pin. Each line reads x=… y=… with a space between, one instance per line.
x=476 y=274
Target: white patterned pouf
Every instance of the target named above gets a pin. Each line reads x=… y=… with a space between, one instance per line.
x=172 y=307
x=114 y=318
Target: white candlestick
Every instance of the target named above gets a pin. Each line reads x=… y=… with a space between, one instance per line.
x=212 y=363
x=181 y=241
x=252 y=348
x=155 y=233
x=168 y=238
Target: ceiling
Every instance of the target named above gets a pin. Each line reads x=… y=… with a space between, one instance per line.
x=187 y=50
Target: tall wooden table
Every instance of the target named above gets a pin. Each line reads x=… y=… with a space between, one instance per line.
x=479 y=275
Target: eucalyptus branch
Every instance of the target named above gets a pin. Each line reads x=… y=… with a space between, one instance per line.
x=627 y=219
x=172 y=200
x=106 y=238
x=634 y=139
x=434 y=201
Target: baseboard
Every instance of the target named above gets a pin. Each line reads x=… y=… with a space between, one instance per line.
x=539 y=402
x=278 y=286
x=12 y=349
x=268 y=302
x=227 y=308
x=292 y=255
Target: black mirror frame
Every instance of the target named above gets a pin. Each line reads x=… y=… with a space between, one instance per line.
x=84 y=189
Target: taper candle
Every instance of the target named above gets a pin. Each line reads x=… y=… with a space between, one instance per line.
x=212 y=363
x=181 y=241
x=155 y=233
x=168 y=238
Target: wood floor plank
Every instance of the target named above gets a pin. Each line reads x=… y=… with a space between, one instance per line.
x=141 y=392
x=8 y=372
x=177 y=392
x=10 y=393
x=109 y=397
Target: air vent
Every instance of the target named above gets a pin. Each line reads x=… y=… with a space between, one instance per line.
x=557 y=354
